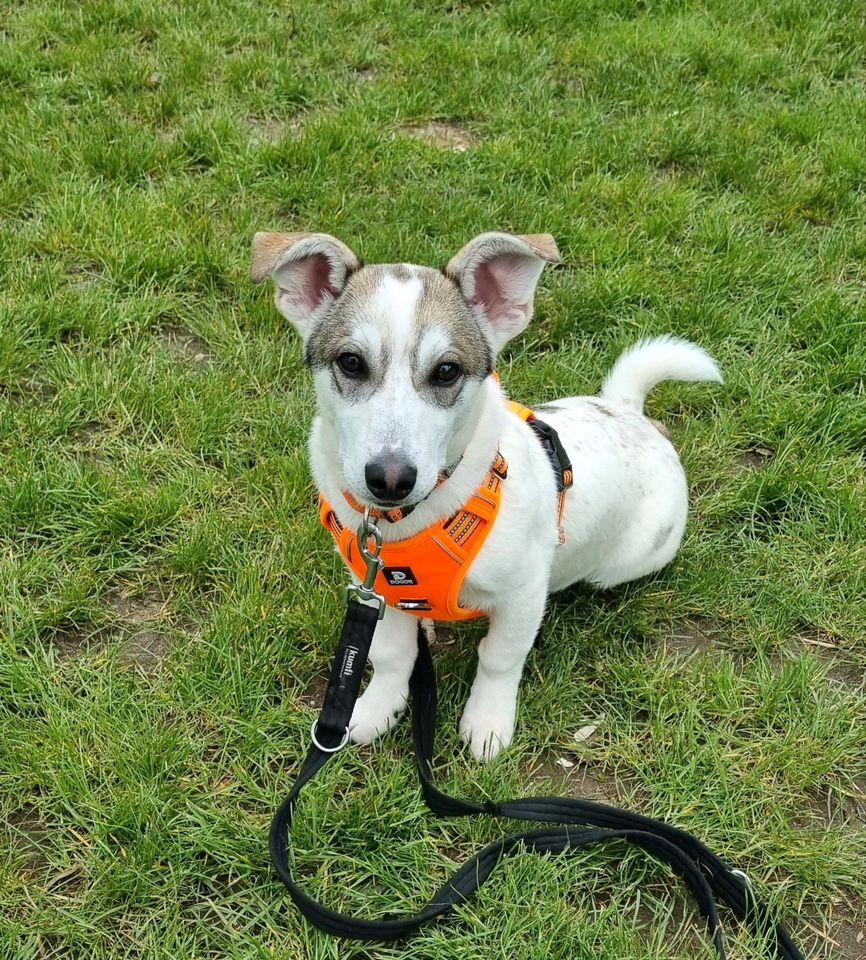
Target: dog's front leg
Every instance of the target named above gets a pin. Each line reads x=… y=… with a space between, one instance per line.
x=487 y=724
x=392 y=655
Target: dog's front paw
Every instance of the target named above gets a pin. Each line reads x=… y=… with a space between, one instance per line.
x=486 y=727
x=373 y=715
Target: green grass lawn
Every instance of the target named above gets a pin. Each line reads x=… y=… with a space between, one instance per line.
x=168 y=601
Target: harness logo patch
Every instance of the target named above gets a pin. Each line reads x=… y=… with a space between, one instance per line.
x=400 y=576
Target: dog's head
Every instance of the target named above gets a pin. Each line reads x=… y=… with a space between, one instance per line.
x=399 y=352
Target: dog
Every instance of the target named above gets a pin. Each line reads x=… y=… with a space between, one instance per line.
x=409 y=415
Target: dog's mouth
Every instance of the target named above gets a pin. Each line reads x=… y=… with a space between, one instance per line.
x=407 y=503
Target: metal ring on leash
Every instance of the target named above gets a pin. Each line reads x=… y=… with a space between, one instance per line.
x=316 y=743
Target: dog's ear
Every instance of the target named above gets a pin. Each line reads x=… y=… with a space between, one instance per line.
x=497 y=274
x=309 y=272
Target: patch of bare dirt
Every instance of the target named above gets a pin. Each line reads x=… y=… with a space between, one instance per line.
x=830 y=650
x=446 y=136
x=680 y=928
x=139 y=619
x=144 y=651
x=137 y=608
x=67 y=642
x=87 y=432
x=837 y=934
x=184 y=344
x=273 y=129
x=29 y=388
x=755 y=458
x=848 y=936
x=565 y=774
x=265 y=130
x=699 y=635
x=314 y=692
x=87 y=438
x=843 y=807
x=363 y=74
x=27 y=831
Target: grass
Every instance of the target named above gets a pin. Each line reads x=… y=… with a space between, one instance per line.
x=168 y=599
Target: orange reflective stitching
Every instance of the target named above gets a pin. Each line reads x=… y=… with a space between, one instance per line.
x=500 y=467
x=458 y=531
x=467 y=529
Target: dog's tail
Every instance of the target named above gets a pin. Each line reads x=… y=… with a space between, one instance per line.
x=649 y=362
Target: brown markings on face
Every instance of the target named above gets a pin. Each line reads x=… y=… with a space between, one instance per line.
x=334 y=335
x=441 y=305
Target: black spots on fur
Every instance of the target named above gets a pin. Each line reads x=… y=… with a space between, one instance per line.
x=662 y=536
x=603 y=409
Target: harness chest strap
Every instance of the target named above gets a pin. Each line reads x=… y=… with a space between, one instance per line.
x=422 y=575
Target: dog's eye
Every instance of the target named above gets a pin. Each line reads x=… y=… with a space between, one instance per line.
x=445 y=374
x=352 y=365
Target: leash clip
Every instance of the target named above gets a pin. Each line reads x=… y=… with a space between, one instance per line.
x=367 y=531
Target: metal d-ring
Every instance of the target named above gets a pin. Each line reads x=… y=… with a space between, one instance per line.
x=316 y=743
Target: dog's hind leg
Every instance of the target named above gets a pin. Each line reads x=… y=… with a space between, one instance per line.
x=392 y=655
x=487 y=724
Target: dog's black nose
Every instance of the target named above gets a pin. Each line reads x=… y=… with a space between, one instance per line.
x=390 y=480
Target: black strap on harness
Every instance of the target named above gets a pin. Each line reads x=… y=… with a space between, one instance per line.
x=580 y=822
x=552 y=446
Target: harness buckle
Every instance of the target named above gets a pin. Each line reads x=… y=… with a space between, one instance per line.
x=367 y=531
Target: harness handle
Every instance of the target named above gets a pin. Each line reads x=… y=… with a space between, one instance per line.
x=581 y=822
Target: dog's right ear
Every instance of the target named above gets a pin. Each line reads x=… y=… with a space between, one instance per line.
x=309 y=271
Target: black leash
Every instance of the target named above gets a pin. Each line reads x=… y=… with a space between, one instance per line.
x=583 y=823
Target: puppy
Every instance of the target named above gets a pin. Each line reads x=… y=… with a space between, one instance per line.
x=409 y=416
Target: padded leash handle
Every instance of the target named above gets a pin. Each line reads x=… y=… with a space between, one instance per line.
x=581 y=823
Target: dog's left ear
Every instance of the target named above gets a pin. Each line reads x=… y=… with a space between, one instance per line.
x=497 y=274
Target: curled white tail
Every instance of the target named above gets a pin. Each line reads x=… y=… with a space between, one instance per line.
x=649 y=362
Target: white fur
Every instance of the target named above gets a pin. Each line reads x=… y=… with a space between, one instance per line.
x=624 y=518
x=649 y=362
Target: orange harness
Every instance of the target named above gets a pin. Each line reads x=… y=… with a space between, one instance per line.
x=422 y=575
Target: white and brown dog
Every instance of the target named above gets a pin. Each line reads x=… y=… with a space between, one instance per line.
x=402 y=357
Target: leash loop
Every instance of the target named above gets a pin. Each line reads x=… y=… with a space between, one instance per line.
x=343 y=741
